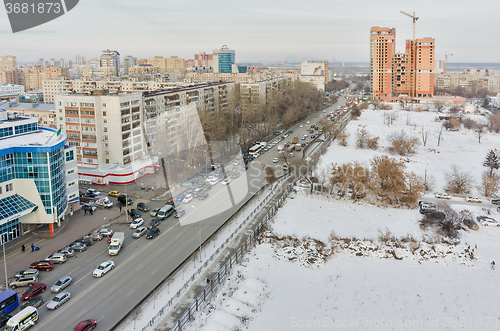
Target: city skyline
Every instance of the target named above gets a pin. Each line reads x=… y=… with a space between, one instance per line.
x=276 y=31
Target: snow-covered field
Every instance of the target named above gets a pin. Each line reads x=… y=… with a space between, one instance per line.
x=329 y=263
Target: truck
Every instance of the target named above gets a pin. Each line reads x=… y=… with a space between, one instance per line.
x=116 y=243
x=297 y=147
x=280 y=150
x=295 y=140
x=263 y=144
x=103 y=201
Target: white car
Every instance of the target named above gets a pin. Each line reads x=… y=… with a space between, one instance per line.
x=487 y=221
x=104 y=268
x=58 y=300
x=187 y=198
x=214 y=181
x=474 y=199
x=210 y=178
x=443 y=196
x=136 y=223
x=301 y=126
x=276 y=160
x=226 y=181
x=307 y=122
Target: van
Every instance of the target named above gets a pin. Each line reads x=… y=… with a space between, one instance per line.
x=23 y=281
x=165 y=212
x=22 y=320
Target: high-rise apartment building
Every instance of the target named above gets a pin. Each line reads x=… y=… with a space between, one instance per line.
x=223 y=60
x=9 y=76
x=382 y=49
x=110 y=59
x=392 y=74
x=128 y=62
x=172 y=64
x=32 y=78
x=80 y=60
x=8 y=61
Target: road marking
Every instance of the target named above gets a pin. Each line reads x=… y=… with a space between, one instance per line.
x=130 y=292
x=111 y=289
x=154 y=272
x=73 y=270
x=95 y=256
x=81 y=278
x=17 y=251
x=101 y=318
x=138 y=267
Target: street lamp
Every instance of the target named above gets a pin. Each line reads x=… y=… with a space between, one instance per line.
x=425 y=177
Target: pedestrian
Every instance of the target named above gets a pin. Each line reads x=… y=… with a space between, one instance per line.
x=91 y=211
x=85 y=210
x=493 y=265
x=32 y=247
x=120 y=208
x=23 y=248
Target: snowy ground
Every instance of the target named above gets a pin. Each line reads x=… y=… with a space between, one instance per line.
x=328 y=263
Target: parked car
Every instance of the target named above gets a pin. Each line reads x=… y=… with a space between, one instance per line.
x=58 y=300
x=471 y=224
x=23 y=281
x=443 y=196
x=61 y=284
x=42 y=265
x=495 y=201
x=187 y=198
x=142 y=206
x=170 y=202
x=213 y=181
x=206 y=188
x=27 y=272
x=89 y=206
x=33 y=291
x=139 y=232
x=180 y=197
x=107 y=232
x=77 y=246
x=474 y=199
x=56 y=258
x=153 y=233
x=93 y=191
x=153 y=224
x=104 y=268
x=134 y=213
x=95 y=236
x=136 y=223
x=68 y=252
x=86 y=325
x=179 y=212
x=87 y=241
x=114 y=193
x=33 y=302
x=487 y=221
x=122 y=198
x=202 y=196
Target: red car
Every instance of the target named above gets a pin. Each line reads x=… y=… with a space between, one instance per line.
x=170 y=202
x=33 y=291
x=85 y=325
x=42 y=265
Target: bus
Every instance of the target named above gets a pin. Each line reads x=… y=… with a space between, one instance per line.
x=8 y=302
x=22 y=320
x=255 y=149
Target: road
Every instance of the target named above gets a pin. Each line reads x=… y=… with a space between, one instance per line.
x=142 y=264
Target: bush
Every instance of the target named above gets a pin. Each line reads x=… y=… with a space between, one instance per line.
x=402 y=144
x=469 y=124
x=451 y=124
x=342 y=138
x=372 y=143
x=458 y=182
x=446 y=222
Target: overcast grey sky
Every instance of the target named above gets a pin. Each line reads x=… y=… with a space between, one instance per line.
x=258 y=30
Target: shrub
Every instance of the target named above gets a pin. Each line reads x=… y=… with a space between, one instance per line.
x=402 y=144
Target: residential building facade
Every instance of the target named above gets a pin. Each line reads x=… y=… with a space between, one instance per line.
x=8 y=61
x=45 y=113
x=382 y=49
x=110 y=59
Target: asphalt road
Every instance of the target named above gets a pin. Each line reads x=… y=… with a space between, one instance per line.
x=142 y=264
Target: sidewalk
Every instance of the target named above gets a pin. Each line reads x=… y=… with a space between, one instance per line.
x=76 y=226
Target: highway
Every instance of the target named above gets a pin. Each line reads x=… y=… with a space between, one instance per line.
x=143 y=263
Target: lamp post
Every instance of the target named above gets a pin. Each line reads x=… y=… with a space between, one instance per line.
x=425 y=177
x=5 y=264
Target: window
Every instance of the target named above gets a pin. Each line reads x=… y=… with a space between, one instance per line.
x=104 y=105
x=8 y=187
x=103 y=113
x=71 y=184
x=105 y=129
x=69 y=156
x=71 y=171
x=0 y=190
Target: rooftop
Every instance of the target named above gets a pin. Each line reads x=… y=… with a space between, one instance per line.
x=33 y=140
x=11 y=105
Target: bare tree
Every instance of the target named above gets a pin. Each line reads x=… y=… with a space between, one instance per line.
x=342 y=137
x=389 y=118
x=439 y=135
x=489 y=184
x=469 y=123
x=389 y=178
x=458 y=181
x=494 y=124
x=439 y=105
x=424 y=136
x=402 y=144
x=480 y=131
x=136 y=314
x=270 y=176
x=362 y=138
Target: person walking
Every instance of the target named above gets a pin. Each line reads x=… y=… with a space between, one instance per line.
x=32 y=247
x=23 y=248
x=120 y=208
x=85 y=210
x=493 y=265
x=91 y=211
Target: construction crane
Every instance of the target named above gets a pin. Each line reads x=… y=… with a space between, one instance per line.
x=414 y=48
x=446 y=61
x=415 y=18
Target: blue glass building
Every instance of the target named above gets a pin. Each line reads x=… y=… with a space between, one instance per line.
x=33 y=183
x=223 y=60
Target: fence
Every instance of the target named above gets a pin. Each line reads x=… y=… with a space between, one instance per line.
x=216 y=280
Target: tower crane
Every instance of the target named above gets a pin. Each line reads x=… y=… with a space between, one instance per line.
x=415 y=18
x=414 y=48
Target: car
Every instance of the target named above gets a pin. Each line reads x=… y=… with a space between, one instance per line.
x=487 y=221
x=136 y=223
x=58 y=300
x=61 y=284
x=185 y=184
x=152 y=233
x=27 y=272
x=206 y=187
x=89 y=207
x=87 y=241
x=196 y=192
x=153 y=224
x=33 y=291
x=187 y=198
x=104 y=268
x=202 y=196
x=93 y=191
x=68 y=252
x=33 y=302
x=154 y=212
x=122 y=198
x=474 y=199
x=495 y=201
x=191 y=189
x=77 y=246
x=114 y=193
x=107 y=232
x=471 y=224
x=244 y=168
x=276 y=160
x=307 y=122
x=180 y=197
x=142 y=206
x=56 y=258
x=95 y=236
x=139 y=232
x=134 y=213
x=301 y=125
x=86 y=325
x=42 y=265
x=26 y=280
x=443 y=196
x=226 y=181
x=235 y=174
x=91 y=195
x=313 y=136
x=179 y=212
x=213 y=181
x=303 y=138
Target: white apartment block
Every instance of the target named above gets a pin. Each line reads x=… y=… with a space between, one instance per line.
x=193 y=77
x=12 y=88
x=256 y=95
